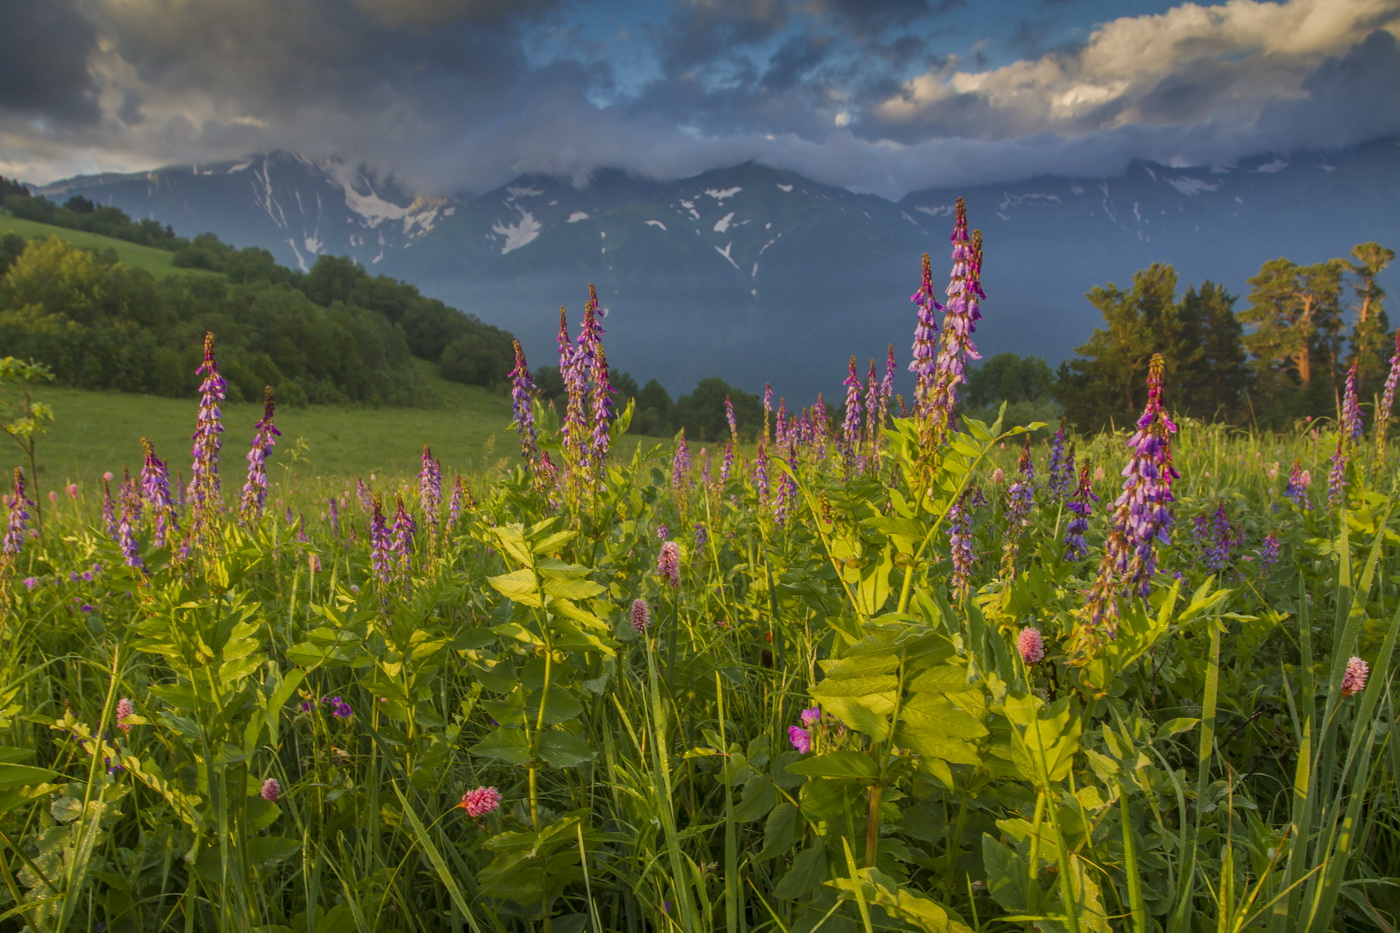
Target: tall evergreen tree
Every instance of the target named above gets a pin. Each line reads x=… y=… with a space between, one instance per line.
x=1370 y=336
x=1213 y=386
x=1295 y=325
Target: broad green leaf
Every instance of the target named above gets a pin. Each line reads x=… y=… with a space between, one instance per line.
x=806 y=875
x=508 y=745
x=846 y=763
x=16 y=775
x=517 y=586
x=564 y=750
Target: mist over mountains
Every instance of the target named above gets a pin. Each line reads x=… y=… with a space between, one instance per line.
x=758 y=275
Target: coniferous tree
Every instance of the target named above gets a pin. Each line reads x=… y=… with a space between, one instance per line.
x=1370 y=336
x=1295 y=326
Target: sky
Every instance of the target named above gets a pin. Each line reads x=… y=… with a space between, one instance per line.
x=882 y=96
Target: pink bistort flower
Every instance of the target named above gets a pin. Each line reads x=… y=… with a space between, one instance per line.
x=1354 y=680
x=481 y=801
x=1031 y=646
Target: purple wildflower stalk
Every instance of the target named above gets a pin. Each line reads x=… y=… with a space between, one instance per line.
x=204 y=480
x=680 y=464
x=850 y=426
x=126 y=527
x=575 y=375
x=379 y=545
x=602 y=417
x=430 y=486
x=333 y=512
x=1337 y=475
x=1081 y=505
x=925 y=337
x=959 y=322
x=1141 y=515
x=155 y=486
x=1268 y=554
x=1351 y=409
x=1388 y=399
x=1060 y=475
x=960 y=542
x=727 y=466
x=760 y=471
x=787 y=490
x=1020 y=499
x=1219 y=536
x=401 y=535
x=265 y=434
x=522 y=393
x=17 y=522
x=729 y=417
x=1297 y=488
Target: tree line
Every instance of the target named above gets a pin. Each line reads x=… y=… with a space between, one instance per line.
x=334 y=334
x=1280 y=356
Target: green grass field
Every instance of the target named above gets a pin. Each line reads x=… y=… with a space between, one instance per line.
x=158 y=262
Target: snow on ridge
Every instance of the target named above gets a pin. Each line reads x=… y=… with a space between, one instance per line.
x=656 y=223
x=1192 y=186
x=719 y=194
x=941 y=210
x=1015 y=200
x=722 y=224
x=725 y=253
x=783 y=187
x=313 y=245
x=239 y=167
x=1277 y=165
x=690 y=206
x=530 y=192
x=520 y=233
x=370 y=206
x=576 y=216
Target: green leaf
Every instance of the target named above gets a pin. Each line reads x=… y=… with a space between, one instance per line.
x=15 y=775
x=564 y=750
x=806 y=875
x=846 y=763
x=517 y=586
x=269 y=850
x=1006 y=875
x=508 y=745
x=758 y=798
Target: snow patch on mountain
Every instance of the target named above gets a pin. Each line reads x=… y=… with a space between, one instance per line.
x=576 y=216
x=938 y=210
x=725 y=253
x=719 y=194
x=1277 y=165
x=1192 y=186
x=530 y=192
x=1016 y=200
x=722 y=224
x=656 y=223
x=783 y=187
x=520 y=233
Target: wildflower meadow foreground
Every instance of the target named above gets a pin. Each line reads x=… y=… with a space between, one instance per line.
x=888 y=669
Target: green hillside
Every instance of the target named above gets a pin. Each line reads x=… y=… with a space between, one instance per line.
x=158 y=262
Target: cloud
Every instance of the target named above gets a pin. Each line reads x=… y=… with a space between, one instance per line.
x=1188 y=65
x=461 y=95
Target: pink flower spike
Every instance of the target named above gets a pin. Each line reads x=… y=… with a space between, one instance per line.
x=481 y=801
x=124 y=710
x=668 y=564
x=271 y=790
x=1031 y=646
x=641 y=616
x=1354 y=680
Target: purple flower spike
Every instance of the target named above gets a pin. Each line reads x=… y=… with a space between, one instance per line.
x=960 y=543
x=925 y=337
x=379 y=544
x=1141 y=516
x=126 y=527
x=850 y=427
x=1336 y=476
x=204 y=482
x=522 y=393
x=430 y=486
x=17 y=523
x=640 y=616
x=155 y=487
x=729 y=417
x=401 y=535
x=668 y=564
x=1081 y=505
x=1351 y=408
x=1388 y=398
x=1297 y=488
x=959 y=322
x=265 y=434
x=680 y=464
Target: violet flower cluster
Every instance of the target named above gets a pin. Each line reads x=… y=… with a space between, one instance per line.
x=850 y=427
x=959 y=322
x=1337 y=475
x=960 y=544
x=1296 y=490
x=203 y=494
x=522 y=393
x=1141 y=515
x=680 y=464
x=585 y=432
x=379 y=546
x=1388 y=398
x=1060 y=470
x=155 y=487
x=1218 y=536
x=801 y=736
x=265 y=434
x=1351 y=408
x=401 y=535
x=18 y=520
x=1081 y=504
x=925 y=337
x=126 y=526
x=430 y=486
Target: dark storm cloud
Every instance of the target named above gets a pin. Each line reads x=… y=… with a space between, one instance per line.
x=44 y=61
x=869 y=17
x=713 y=30
x=1350 y=99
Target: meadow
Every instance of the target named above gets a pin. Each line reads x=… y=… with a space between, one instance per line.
x=897 y=672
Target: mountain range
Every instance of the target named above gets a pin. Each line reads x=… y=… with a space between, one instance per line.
x=757 y=274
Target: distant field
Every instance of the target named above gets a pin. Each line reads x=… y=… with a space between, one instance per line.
x=94 y=432
x=155 y=261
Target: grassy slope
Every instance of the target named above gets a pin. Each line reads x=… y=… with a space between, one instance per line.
x=155 y=261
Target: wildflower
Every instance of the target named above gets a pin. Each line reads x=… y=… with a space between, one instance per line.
x=787 y=490
x=339 y=708
x=481 y=801
x=1351 y=408
x=72 y=490
x=204 y=482
x=1219 y=537
x=333 y=514
x=760 y=471
x=1060 y=470
x=668 y=564
x=702 y=535
x=30 y=582
x=155 y=487
x=850 y=427
x=402 y=534
x=998 y=477
x=1354 y=680
x=125 y=710
x=1297 y=489
x=662 y=531
x=800 y=738
x=641 y=616
x=1075 y=546
x=925 y=336
x=1031 y=646
x=18 y=520
x=522 y=391
x=680 y=464
x=430 y=486
x=960 y=540
x=1388 y=397
x=729 y=417
x=271 y=790
x=1336 y=477
x=265 y=434
x=809 y=716
x=379 y=543
x=960 y=320
x=1268 y=555
x=602 y=412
